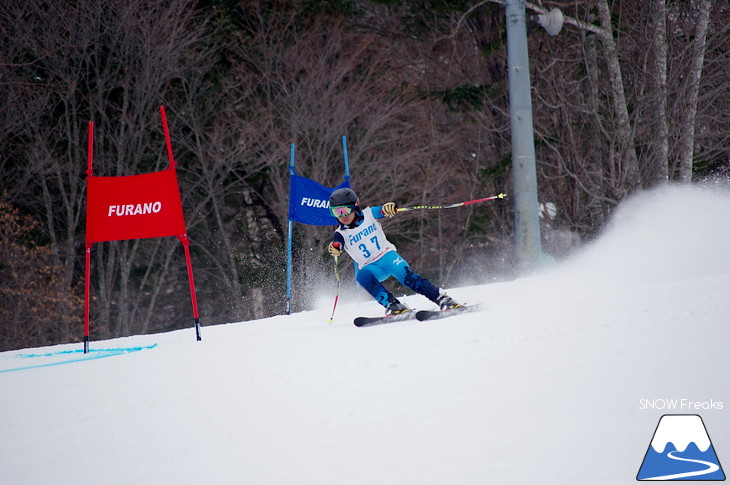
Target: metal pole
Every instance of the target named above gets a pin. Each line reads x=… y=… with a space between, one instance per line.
x=524 y=176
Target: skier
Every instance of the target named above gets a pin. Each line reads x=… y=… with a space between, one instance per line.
x=363 y=238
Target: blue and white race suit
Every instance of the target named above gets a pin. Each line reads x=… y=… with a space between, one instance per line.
x=377 y=258
x=366 y=242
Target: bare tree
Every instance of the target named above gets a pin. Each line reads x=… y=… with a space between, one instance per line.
x=659 y=50
x=691 y=91
x=110 y=62
x=316 y=83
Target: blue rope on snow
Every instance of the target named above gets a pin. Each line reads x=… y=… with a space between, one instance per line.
x=92 y=355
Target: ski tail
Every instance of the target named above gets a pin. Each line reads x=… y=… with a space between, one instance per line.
x=424 y=315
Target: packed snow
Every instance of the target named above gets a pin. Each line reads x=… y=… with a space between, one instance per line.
x=562 y=378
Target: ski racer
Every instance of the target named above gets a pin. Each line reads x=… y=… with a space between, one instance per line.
x=362 y=236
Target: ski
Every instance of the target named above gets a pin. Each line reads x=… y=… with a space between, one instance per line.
x=372 y=321
x=424 y=315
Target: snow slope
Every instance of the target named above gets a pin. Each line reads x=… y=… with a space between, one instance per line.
x=550 y=384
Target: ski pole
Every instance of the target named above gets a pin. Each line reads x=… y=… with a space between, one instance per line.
x=337 y=277
x=458 y=204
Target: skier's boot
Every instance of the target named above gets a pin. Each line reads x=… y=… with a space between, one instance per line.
x=445 y=302
x=395 y=307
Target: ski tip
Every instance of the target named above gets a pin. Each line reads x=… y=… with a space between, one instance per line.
x=360 y=321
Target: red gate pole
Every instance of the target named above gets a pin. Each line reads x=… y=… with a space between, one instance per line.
x=167 y=138
x=186 y=245
x=184 y=237
x=86 y=298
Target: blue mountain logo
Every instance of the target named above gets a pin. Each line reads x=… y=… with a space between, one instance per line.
x=681 y=450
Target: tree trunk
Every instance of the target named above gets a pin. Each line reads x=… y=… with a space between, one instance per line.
x=628 y=165
x=594 y=171
x=687 y=130
x=660 y=171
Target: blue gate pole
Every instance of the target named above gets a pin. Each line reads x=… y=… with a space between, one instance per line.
x=347 y=160
x=289 y=240
x=347 y=179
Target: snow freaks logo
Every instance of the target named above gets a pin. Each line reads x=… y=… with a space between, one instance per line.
x=681 y=450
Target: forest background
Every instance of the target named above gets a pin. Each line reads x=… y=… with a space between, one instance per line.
x=630 y=95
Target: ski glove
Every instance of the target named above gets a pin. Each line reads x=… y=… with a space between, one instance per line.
x=389 y=209
x=334 y=249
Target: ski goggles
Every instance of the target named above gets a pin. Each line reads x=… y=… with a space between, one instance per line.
x=342 y=210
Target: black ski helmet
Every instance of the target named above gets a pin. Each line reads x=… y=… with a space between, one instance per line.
x=343 y=196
